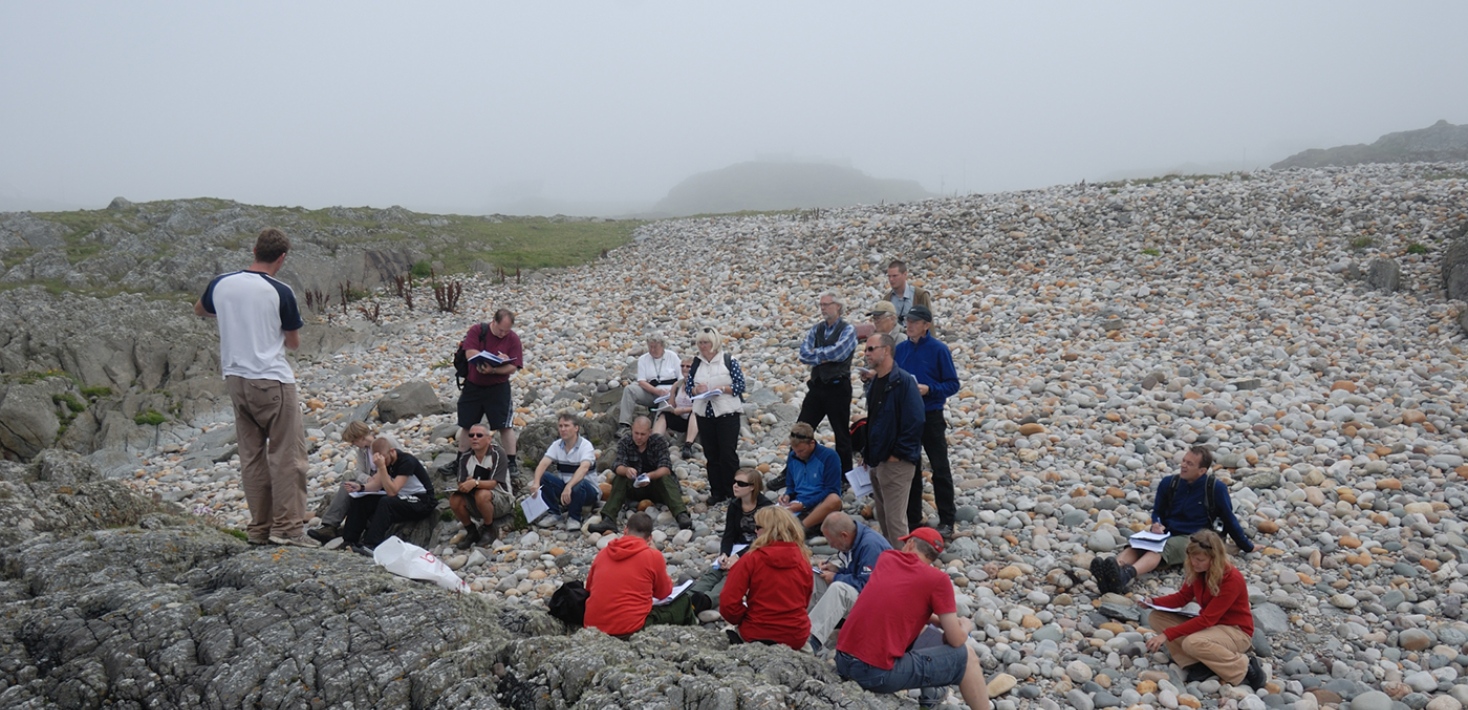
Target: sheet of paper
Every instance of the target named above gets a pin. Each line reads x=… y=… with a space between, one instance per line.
x=706 y=395
x=661 y=399
x=861 y=481
x=1148 y=541
x=534 y=507
x=1182 y=611
x=363 y=494
x=676 y=591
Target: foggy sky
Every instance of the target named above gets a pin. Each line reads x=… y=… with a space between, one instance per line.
x=465 y=107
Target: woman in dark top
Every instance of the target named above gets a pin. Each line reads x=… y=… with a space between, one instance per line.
x=748 y=492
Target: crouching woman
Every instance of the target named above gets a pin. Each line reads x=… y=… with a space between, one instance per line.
x=1217 y=640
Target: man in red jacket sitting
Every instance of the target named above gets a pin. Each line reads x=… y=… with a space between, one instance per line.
x=624 y=580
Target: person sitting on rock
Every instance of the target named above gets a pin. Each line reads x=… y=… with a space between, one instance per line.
x=657 y=370
x=360 y=435
x=1185 y=503
x=768 y=590
x=624 y=580
x=483 y=490
x=1217 y=640
x=567 y=488
x=838 y=583
x=813 y=477
x=643 y=471
x=904 y=593
x=679 y=417
x=739 y=532
x=406 y=496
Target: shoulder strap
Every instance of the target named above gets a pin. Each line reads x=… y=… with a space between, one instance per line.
x=482 y=327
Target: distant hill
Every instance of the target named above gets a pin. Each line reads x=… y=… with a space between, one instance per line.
x=782 y=186
x=1440 y=142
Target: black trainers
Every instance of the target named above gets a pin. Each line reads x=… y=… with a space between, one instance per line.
x=685 y=521
x=946 y=530
x=323 y=534
x=470 y=537
x=362 y=550
x=1199 y=672
x=1254 y=677
x=1107 y=574
x=1127 y=575
x=602 y=526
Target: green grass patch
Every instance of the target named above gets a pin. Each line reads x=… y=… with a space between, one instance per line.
x=33 y=376
x=241 y=534
x=95 y=392
x=1415 y=248
x=422 y=270
x=70 y=400
x=151 y=417
x=1362 y=242
x=1149 y=251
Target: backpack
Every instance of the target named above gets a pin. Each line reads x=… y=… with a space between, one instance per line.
x=859 y=435
x=461 y=359
x=728 y=365
x=1215 y=519
x=568 y=603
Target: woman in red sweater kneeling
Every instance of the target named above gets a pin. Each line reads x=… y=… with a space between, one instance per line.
x=768 y=589
x=1217 y=639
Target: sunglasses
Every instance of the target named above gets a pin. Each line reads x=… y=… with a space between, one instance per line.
x=742 y=484
x=1201 y=542
x=874 y=347
x=477 y=436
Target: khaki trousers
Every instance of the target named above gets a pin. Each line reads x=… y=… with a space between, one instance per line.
x=891 y=484
x=1220 y=647
x=272 y=441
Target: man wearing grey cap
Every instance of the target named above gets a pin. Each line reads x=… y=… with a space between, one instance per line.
x=930 y=361
x=657 y=370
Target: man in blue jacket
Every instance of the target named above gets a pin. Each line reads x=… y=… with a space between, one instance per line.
x=838 y=584
x=929 y=360
x=894 y=435
x=1185 y=503
x=813 y=477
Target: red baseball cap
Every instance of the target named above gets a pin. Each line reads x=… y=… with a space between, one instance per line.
x=927 y=535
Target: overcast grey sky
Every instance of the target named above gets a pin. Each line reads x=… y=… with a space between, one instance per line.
x=460 y=106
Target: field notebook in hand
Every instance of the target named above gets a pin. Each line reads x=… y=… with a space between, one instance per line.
x=1148 y=541
x=488 y=357
x=1180 y=611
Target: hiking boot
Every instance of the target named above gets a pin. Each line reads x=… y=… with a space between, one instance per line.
x=488 y=534
x=685 y=521
x=1107 y=574
x=946 y=530
x=323 y=534
x=701 y=602
x=686 y=451
x=297 y=540
x=471 y=536
x=1127 y=575
x=776 y=483
x=1254 y=677
x=1199 y=672
x=604 y=526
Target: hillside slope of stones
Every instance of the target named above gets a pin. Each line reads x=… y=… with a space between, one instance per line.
x=1098 y=333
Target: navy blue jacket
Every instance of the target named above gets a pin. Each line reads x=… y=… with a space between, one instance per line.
x=862 y=558
x=1183 y=508
x=897 y=430
x=930 y=361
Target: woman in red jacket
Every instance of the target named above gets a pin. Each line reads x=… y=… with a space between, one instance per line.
x=768 y=589
x=1217 y=639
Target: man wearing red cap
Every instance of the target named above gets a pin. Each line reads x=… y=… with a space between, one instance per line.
x=906 y=591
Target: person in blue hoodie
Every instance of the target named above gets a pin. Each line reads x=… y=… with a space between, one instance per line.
x=1185 y=503
x=842 y=579
x=894 y=435
x=813 y=474
x=929 y=360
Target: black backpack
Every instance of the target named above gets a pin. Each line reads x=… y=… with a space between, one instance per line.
x=461 y=360
x=568 y=603
x=1215 y=516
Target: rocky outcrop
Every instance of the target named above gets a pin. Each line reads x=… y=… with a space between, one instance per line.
x=1384 y=275
x=410 y=399
x=1455 y=269
x=120 y=604
x=1440 y=142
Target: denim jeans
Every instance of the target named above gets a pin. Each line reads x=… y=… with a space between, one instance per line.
x=931 y=667
x=585 y=493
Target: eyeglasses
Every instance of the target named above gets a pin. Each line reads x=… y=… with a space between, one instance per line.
x=874 y=347
x=473 y=435
x=742 y=484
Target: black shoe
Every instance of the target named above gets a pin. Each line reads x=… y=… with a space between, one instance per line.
x=686 y=451
x=323 y=534
x=1107 y=574
x=716 y=500
x=1254 y=677
x=1199 y=672
x=776 y=483
x=362 y=550
x=685 y=521
x=1127 y=575
x=470 y=537
x=946 y=530
x=605 y=526
x=734 y=638
x=702 y=602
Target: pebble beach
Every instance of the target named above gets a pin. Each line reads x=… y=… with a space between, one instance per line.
x=1099 y=331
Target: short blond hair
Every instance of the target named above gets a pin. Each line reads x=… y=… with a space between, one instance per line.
x=356 y=430
x=710 y=336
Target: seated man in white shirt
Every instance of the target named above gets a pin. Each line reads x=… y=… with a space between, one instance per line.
x=657 y=370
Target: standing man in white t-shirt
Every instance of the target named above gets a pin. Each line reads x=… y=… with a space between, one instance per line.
x=657 y=370
x=258 y=320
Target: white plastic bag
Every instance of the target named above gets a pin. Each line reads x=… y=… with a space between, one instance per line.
x=411 y=561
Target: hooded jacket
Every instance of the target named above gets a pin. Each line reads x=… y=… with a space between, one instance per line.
x=766 y=595
x=624 y=579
